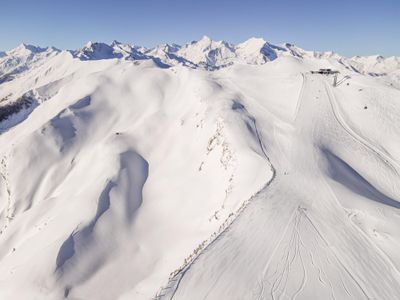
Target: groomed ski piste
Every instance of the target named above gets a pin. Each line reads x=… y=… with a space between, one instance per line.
x=202 y=171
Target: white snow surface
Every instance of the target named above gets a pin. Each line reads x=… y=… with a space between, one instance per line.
x=202 y=171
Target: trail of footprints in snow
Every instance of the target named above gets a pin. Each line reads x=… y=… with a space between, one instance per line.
x=4 y=175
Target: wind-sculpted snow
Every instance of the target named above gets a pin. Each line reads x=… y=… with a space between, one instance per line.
x=205 y=170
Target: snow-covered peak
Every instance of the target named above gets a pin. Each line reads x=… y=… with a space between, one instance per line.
x=369 y=59
x=376 y=64
x=128 y=51
x=206 y=42
x=167 y=54
x=208 y=52
x=170 y=48
x=253 y=44
x=31 y=48
x=378 y=58
x=293 y=50
x=255 y=51
x=206 y=38
x=21 y=58
x=26 y=50
x=97 y=51
x=124 y=49
x=115 y=42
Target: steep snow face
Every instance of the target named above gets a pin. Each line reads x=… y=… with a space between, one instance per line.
x=119 y=165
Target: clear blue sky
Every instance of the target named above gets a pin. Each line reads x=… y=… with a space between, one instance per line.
x=349 y=27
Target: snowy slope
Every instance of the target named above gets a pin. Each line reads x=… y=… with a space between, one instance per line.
x=208 y=170
x=335 y=201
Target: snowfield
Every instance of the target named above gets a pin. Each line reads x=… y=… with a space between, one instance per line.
x=203 y=171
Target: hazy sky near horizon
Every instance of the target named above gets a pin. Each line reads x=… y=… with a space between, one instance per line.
x=349 y=27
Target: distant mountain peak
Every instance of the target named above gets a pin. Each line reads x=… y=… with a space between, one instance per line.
x=115 y=42
x=98 y=51
x=26 y=49
x=94 y=51
x=205 y=39
x=255 y=41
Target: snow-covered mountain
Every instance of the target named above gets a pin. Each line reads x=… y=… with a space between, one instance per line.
x=96 y=51
x=21 y=59
x=199 y=171
x=204 y=53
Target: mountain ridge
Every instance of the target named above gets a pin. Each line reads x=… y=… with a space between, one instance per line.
x=209 y=54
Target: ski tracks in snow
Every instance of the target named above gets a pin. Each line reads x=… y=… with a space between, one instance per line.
x=292 y=251
x=299 y=258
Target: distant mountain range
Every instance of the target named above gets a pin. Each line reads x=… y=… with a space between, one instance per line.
x=204 y=53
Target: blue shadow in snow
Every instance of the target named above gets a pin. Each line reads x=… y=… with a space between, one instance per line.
x=343 y=173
